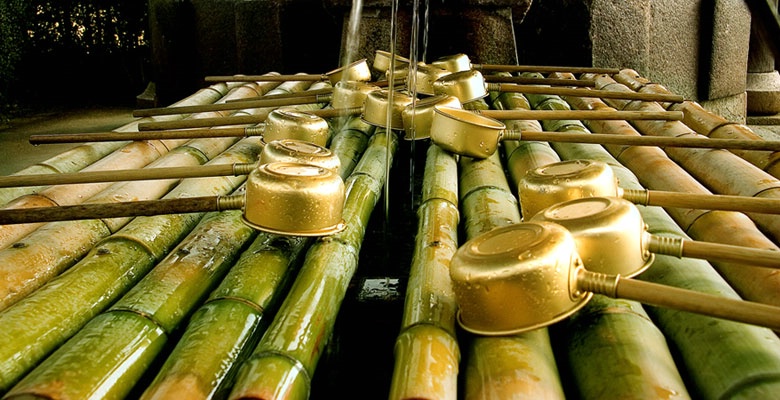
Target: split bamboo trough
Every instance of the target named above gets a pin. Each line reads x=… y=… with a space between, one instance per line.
x=199 y=304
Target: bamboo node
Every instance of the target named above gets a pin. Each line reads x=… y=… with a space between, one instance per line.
x=254 y=130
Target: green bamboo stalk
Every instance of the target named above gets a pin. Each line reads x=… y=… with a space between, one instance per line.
x=36 y=325
x=426 y=352
x=722 y=359
x=225 y=329
x=109 y=354
x=519 y=366
x=287 y=355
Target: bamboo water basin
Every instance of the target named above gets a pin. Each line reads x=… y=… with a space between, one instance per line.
x=200 y=305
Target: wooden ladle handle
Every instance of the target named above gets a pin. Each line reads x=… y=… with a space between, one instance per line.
x=655 y=294
x=123 y=209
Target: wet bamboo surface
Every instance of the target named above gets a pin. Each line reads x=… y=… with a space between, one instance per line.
x=128 y=306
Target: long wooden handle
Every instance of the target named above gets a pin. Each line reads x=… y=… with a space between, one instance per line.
x=203 y=122
x=660 y=141
x=145 y=135
x=679 y=247
x=266 y=78
x=680 y=299
x=540 y=81
x=584 y=92
x=582 y=114
x=544 y=69
x=123 y=209
x=149 y=112
x=702 y=201
x=142 y=174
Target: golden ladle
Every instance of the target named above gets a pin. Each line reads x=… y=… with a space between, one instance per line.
x=281 y=123
x=612 y=238
x=420 y=114
x=354 y=71
x=526 y=276
x=573 y=179
x=276 y=195
x=470 y=85
x=470 y=134
x=287 y=150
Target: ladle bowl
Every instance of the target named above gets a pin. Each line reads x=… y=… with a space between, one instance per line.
x=453 y=63
x=354 y=71
x=299 y=151
x=418 y=116
x=563 y=181
x=526 y=276
x=288 y=123
x=516 y=278
x=382 y=60
x=425 y=76
x=377 y=107
x=610 y=234
x=467 y=85
x=294 y=199
x=348 y=94
x=464 y=132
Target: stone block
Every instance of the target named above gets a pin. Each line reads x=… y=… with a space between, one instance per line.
x=726 y=54
x=763 y=93
x=732 y=108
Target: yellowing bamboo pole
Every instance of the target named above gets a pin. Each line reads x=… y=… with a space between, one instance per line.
x=707 y=123
x=583 y=92
x=87 y=154
x=744 y=352
x=426 y=351
x=39 y=323
x=287 y=355
x=223 y=331
x=237 y=105
x=657 y=171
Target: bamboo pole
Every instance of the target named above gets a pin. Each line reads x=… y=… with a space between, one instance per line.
x=87 y=154
x=583 y=92
x=132 y=155
x=707 y=123
x=428 y=336
x=755 y=284
x=605 y=328
x=523 y=80
x=724 y=172
x=113 y=350
x=329 y=113
x=126 y=175
x=224 y=330
x=544 y=68
x=494 y=368
x=287 y=355
x=712 y=373
x=39 y=323
x=234 y=120
x=238 y=105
